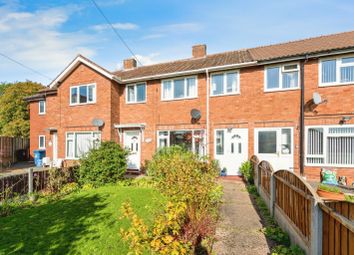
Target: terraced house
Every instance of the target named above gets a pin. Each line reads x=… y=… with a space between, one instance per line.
x=290 y=103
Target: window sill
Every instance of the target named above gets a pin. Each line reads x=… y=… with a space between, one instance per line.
x=132 y=103
x=280 y=90
x=226 y=95
x=178 y=99
x=41 y=114
x=324 y=85
x=328 y=166
x=82 y=104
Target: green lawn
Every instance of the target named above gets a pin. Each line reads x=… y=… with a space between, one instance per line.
x=81 y=223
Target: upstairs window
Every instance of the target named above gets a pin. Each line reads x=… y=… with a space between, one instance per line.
x=179 y=88
x=282 y=77
x=136 y=93
x=41 y=107
x=225 y=83
x=337 y=71
x=83 y=94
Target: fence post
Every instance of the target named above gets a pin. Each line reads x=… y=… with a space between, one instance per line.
x=272 y=194
x=30 y=180
x=316 y=228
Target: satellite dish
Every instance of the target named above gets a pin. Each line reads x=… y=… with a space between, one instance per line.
x=97 y=122
x=196 y=115
x=316 y=98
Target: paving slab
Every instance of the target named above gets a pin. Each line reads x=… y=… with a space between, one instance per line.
x=239 y=227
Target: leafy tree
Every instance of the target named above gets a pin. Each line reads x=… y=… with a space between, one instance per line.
x=14 y=114
x=3 y=86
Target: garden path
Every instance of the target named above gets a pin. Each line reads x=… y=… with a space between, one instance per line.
x=239 y=228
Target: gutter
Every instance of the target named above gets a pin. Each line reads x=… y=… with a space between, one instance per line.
x=182 y=73
x=207 y=138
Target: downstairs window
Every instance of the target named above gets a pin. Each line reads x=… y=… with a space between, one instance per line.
x=80 y=143
x=330 y=146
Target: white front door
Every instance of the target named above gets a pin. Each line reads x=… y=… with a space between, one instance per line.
x=275 y=145
x=231 y=148
x=55 y=146
x=132 y=144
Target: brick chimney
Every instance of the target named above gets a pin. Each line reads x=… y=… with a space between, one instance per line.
x=129 y=63
x=199 y=51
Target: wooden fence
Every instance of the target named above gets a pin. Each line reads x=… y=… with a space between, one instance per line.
x=265 y=171
x=8 y=148
x=338 y=228
x=294 y=198
x=18 y=184
x=317 y=227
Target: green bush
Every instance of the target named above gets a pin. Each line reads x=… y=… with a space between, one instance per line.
x=57 y=178
x=184 y=177
x=106 y=164
x=181 y=175
x=247 y=171
x=283 y=250
x=69 y=188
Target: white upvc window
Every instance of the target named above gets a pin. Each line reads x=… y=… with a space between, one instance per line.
x=136 y=93
x=336 y=71
x=281 y=77
x=41 y=107
x=331 y=146
x=83 y=94
x=179 y=88
x=192 y=140
x=226 y=83
x=41 y=142
x=80 y=143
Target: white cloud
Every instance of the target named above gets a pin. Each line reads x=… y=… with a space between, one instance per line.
x=35 y=39
x=152 y=36
x=179 y=28
x=119 y=26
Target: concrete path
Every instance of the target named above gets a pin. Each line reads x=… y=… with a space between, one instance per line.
x=238 y=230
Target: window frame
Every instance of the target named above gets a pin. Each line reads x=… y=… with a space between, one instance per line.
x=339 y=64
x=238 y=85
x=44 y=142
x=324 y=144
x=78 y=94
x=185 y=88
x=135 y=93
x=281 y=66
x=44 y=107
x=75 y=141
x=179 y=130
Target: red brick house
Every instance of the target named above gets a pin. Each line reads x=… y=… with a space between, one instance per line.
x=228 y=105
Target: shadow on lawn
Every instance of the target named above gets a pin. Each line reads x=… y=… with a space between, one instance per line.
x=52 y=228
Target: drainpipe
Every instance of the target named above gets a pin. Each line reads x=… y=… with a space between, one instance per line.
x=207 y=110
x=302 y=115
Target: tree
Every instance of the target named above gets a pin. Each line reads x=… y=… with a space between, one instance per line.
x=3 y=86
x=14 y=114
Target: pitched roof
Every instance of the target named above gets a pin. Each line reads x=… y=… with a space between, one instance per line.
x=263 y=53
x=220 y=59
x=312 y=45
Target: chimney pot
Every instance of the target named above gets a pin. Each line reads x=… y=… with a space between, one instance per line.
x=199 y=51
x=129 y=64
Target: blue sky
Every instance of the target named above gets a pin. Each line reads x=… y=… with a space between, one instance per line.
x=46 y=34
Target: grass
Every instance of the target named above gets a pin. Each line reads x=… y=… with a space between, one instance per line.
x=81 y=223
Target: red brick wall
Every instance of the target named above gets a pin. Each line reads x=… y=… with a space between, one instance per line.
x=252 y=108
x=64 y=118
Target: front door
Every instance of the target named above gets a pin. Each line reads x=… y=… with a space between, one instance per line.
x=231 y=148
x=55 y=146
x=275 y=145
x=132 y=144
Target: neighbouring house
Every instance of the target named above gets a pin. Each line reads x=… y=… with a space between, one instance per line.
x=228 y=105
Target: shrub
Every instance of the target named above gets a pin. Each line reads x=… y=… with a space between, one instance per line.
x=163 y=237
x=247 y=171
x=106 y=164
x=57 y=178
x=182 y=176
x=283 y=250
x=69 y=188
